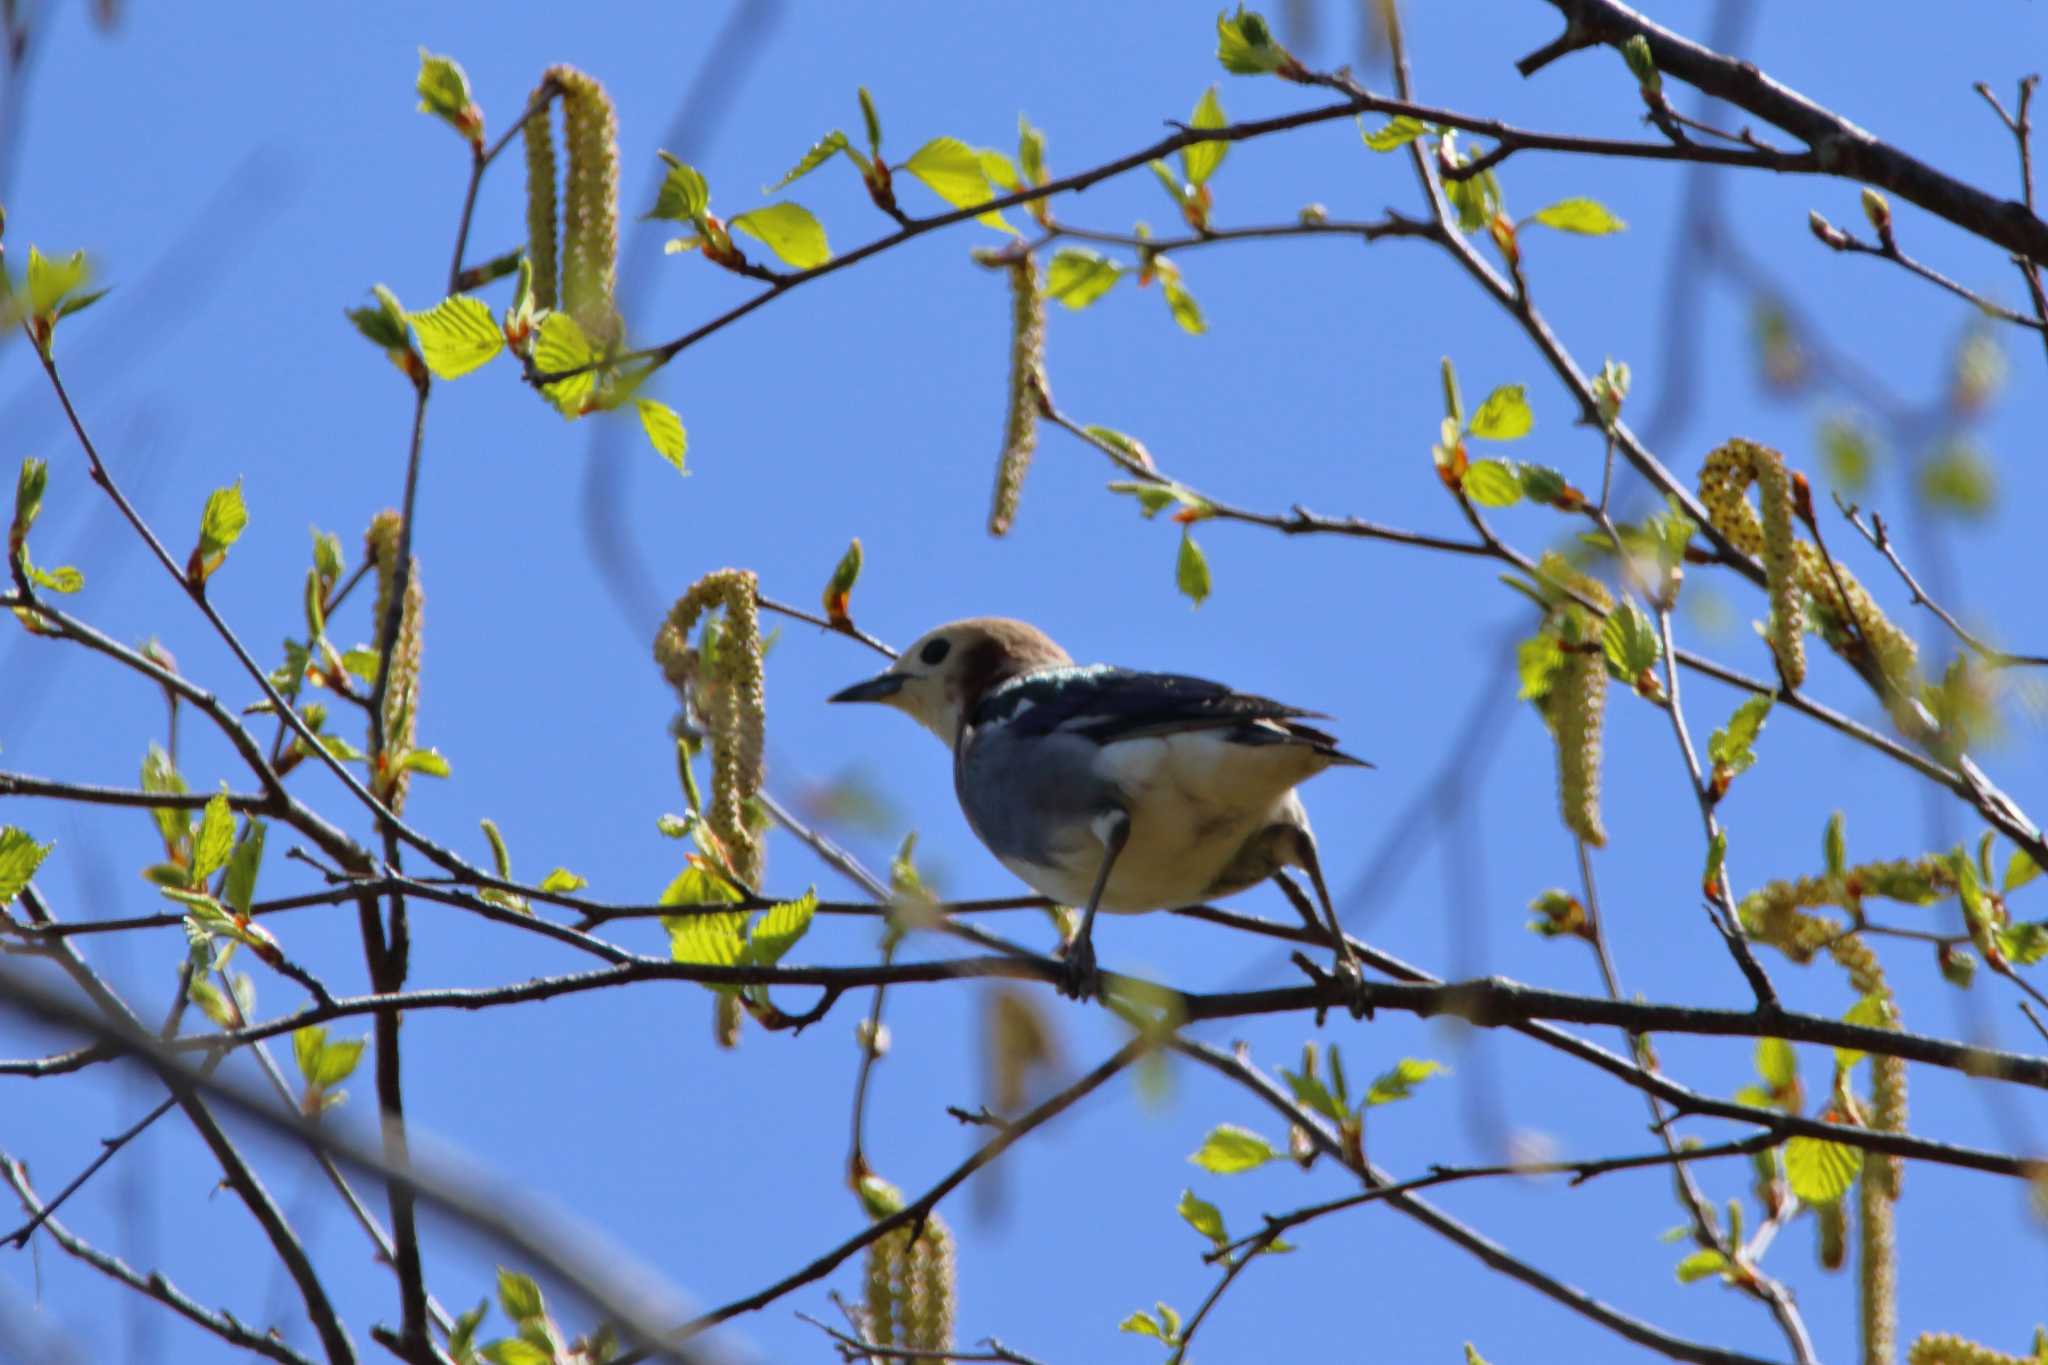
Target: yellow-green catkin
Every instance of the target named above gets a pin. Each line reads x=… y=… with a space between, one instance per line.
x=402 y=690
x=1578 y=705
x=1945 y=1348
x=541 y=208
x=909 y=1288
x=1831 y=1225
x=590 y=206
x=1877 y=1272
x=1724 y=490
x=729 y=698
x=1027 y=380
x=1795 y=569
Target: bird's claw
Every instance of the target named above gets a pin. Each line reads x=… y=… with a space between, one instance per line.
x=1079 y=979
x=1351 y=980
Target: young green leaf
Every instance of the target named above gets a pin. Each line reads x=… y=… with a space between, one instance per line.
x=789 y=230
x=52 y=279
x=1492 y=483
x=1587 y=217
x=215 y=840
x=211 y=1001
x=1229 y=1149
x=444 y=92
x=1400 y=1082
x=1078 y=277
x=1819 y=1171
x=1200 y=159
x=1701 y=1264
x=684 y=197
x=1030 y=151
x=2020 y=869
x=1396 y=133
x=520 y=1297
x=1180 y=302
x=2024 y=942
x=383 y=324
x=871 y=120
x=221 y=523
x=1733 y=746
x=711 y=940
x=560 y=345
x=1202 y=1216
x=1000 y=170
x=952 y=170
x=20 y=856
x=243 y=864
x=664 y=430
x=839 y=587
x=1141 y=1324
x=1504 y=416
x=823 y=150
x=457 y=335
x=428 y=762
x=777 y=931
x=562 y=881
x=1631 y=642
x=28 y=495
x=1191 y=570
x=1245 y=46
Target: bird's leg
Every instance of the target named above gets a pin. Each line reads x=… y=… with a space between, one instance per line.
x=1348 y=969
x=1113 y=827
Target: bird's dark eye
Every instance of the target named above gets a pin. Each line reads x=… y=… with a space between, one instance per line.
x=934 y=652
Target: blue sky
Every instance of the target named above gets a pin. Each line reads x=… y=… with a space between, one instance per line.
x=240 y=179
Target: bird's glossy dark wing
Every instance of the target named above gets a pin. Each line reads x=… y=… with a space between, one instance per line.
x=1110 y=704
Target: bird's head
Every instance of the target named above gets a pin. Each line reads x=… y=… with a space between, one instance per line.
x=949 y=669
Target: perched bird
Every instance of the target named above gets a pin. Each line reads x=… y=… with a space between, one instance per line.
x=1112 y=789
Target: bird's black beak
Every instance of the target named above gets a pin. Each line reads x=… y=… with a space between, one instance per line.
x=881 y=687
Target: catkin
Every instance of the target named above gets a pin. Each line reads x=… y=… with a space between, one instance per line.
x=1027 y=379
x=402 y=686
x=1795 y=572
x=590 y=206
x=1831 y=1227
x=1877 y=1277
x=541 y=209
x=1578 y=702
x=910 y=1287
x=1945 y=1348
x=729 y=697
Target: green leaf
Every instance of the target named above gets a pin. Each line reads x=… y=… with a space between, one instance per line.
x=462 y=1340
x=215 y=840
x=501 y=855
x=65 y=579
x=1141 y=1324
x=457 y=335
x=1504 y=416
x=243 y=864
x=307 y=1045
x=1872 y=1011
x=789 y=230
x=384 y=324
x=1834 y=846
x=778 y=930
x=516 y=1351
x=1230 y=1149
x=1959 y=479
x=562 y=881
x=1400 y=1082
x=1472 y=1356
x=1587 y=217
x=839 y=587
x=1245 y=46
x=711 y=940
x=560 y=344
x=428 y=762
x=664 y=430
x=1717 y=859
x=1396 y=133
x=1078 y=277
x=2023 y=943
x=1202 y=1216
x=1176 y=190
x=20 y=856
x=1777 y=1064
x=211 y=1001
x=1700 y=1265
x=1492 y=483
x=697 y=884
x=361 y=661
x=1641 y=64
x=2020 y=869
x=1200 y=159
x=952 y=170
x=28 y=493
x=1181 y=303
x=160 y=778
x=1000 y=170
x=823 y=150
x=1819 y=1171
x=51 y=279
x=519 y=1296
x=1537 y=660
x=444 y=92
x=336 y=1063
x=1311 y=1094
x=1191 y=570
x=871 y=120
x=1733 y=745
x=1630 y=640
x=1030 y=151
x=222 y=522
x=684 y=197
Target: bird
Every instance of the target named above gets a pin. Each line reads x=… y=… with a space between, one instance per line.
x=1109 y=788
